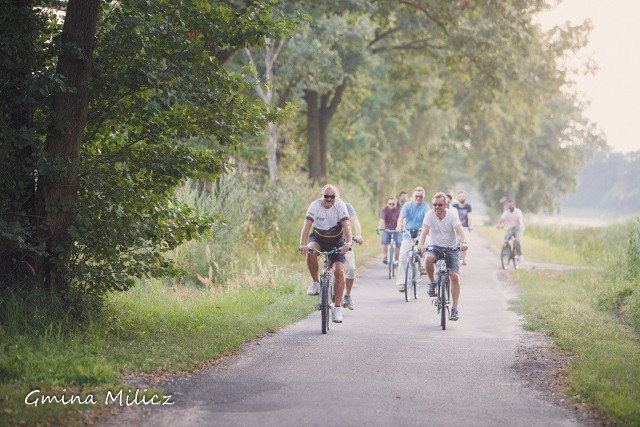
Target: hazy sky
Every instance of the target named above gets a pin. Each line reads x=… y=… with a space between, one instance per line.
x=614 y=92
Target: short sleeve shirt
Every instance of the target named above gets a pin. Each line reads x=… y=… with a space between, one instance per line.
x=390 y=217
x=327 y=222
x=463 y=213
x=413 y=217
x=511 y=218
x=442 y=231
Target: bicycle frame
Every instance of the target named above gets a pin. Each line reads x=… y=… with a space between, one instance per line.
x=326 y=295
x=413 y=273
x=508 y=252
x=443 y=285
x=392 y=252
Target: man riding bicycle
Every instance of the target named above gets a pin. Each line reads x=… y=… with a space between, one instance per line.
x=444 y=229
x=388 y=223
x=411 y=217
x=514 y=220
x=329 y=218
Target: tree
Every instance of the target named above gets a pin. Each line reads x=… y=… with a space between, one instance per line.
x=160 y=107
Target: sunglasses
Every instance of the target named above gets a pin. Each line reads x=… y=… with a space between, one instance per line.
x=438 y=205
x=329 y=196
x=391 y=204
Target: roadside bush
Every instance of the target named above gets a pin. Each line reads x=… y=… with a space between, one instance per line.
x=622 y=292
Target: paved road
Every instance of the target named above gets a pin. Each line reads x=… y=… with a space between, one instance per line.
x=389 y=363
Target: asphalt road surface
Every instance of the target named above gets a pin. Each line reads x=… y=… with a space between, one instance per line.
x=389 y=363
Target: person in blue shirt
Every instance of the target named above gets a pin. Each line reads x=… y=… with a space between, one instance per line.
x=411 y=217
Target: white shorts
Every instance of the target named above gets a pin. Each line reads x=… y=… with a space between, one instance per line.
x=349 y=265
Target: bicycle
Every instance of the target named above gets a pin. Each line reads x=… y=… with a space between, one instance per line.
x=326 y=296
x=392 y=253
x=413 y=269
x=508 y=252
x=443 y=285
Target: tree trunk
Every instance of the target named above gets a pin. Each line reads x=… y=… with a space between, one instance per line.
x=313 y=135
x=272 y=151
x=320 y=110
x=64 y=139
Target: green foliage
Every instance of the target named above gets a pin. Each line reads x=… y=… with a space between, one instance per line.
x=162 y=109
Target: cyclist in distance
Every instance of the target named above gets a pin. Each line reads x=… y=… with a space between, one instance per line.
x=389 y=221
x=402 y=199
x=466 y=217
x=411 y=217
x=350 y=259
x=445 y=230
x=514 y=220
x=326 y=226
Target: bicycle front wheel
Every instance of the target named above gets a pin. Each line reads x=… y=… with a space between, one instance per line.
x=409 y=278
x=390 y=255
x=416 y=277
x=442 y=296
x=324 y=304
x=505 y=255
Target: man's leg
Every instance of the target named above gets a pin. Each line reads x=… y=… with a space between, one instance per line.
x=429 y=262
x=349 y=278
x=312 y=265
x=455 y=287
x=338 y=284
x=518 y=247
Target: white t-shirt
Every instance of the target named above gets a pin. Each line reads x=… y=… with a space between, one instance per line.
x=328 y=222
x=442 y=231
x=511 y=218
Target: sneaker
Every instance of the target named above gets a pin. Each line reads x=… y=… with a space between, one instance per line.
x=337 y=314
x=432 y=290
x=454 y=314
x=347 y=302
x=401 y=288
x=395 y=262
x=314 y=289
x=384 y=260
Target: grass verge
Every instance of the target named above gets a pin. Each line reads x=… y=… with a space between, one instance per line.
x=151 y=329
x=591 y=315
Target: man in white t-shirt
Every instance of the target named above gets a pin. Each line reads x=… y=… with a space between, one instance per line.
x=444 y=229
x=514 y=220
x=326 y=220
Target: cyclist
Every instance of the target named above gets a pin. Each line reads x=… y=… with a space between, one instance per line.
x=389 y=221
x=444 y=229
x=329 y=219
x=514 y=220
x=466 y=217
x=411 y=217
x=402 y=199
x=350 y=259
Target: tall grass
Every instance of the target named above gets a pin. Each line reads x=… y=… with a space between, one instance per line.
x=247 y=280
x=592 y=315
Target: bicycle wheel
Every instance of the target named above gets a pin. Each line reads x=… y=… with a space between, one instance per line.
x=390 y=255
x=324 y=304
x=505 y=255
x=416 y=277
x=410 y=277
x=442 y=295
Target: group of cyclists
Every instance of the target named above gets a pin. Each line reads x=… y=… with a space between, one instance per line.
x=437 y=227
